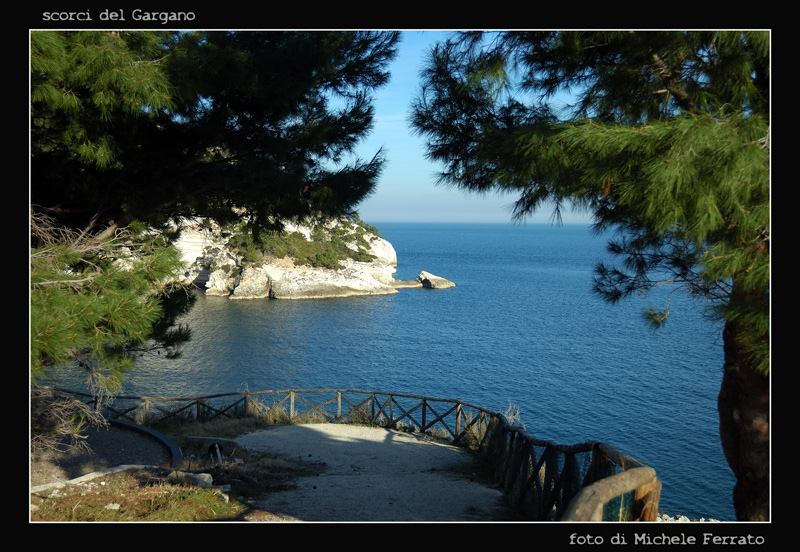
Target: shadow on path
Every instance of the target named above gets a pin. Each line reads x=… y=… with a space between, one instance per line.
x=375 y=474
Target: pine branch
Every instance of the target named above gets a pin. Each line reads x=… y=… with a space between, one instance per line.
x=670 y=79
x=75 y=283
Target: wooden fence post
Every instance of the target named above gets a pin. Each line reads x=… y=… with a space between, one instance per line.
x=645 y=502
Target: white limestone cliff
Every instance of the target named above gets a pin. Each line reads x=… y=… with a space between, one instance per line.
x=215 y=267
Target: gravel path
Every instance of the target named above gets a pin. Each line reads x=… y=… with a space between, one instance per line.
x=375 y=474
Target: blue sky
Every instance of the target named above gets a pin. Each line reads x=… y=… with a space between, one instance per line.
x=407 y=190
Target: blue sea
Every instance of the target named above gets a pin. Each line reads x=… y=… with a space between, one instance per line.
x=522 y=328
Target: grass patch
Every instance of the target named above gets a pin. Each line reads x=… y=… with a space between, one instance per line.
x=134 y=496
x=221 y=427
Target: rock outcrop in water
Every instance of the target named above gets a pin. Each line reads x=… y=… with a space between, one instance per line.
x=336 y=259
x=430 y=281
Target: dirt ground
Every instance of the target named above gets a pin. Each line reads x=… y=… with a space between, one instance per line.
x=366 y=474
x=377 y=474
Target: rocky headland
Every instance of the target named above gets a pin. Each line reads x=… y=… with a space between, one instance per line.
x=338 y=258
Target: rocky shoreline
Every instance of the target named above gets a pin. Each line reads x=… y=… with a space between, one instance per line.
x=220 y=270
x=682 y=519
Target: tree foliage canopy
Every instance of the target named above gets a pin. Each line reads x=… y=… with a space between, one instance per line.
x=666 y=140
x=153 y=125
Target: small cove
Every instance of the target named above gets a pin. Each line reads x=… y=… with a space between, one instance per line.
x=522 y=327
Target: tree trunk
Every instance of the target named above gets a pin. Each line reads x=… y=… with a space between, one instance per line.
x=744 y=428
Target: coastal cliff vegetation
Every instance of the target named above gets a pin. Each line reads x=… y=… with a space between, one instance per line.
x=327 y=245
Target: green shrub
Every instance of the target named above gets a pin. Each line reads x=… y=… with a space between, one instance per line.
x=326 y=249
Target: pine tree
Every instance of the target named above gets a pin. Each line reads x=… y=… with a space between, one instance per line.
x=93 y=298
x=155 y=126
x=131 y=131
x=93 y=301
x=84 y=84
x=666 y=141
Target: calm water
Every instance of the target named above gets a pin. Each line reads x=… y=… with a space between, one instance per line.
x=521 y=328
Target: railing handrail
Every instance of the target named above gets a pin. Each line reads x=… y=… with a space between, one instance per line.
x=542 y=485
x=589 y=503
x=275 y=391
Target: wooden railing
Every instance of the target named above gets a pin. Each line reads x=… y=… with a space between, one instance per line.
x=589 y=481
x=542 y=480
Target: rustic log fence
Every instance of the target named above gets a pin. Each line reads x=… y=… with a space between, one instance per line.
x=542 y=480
